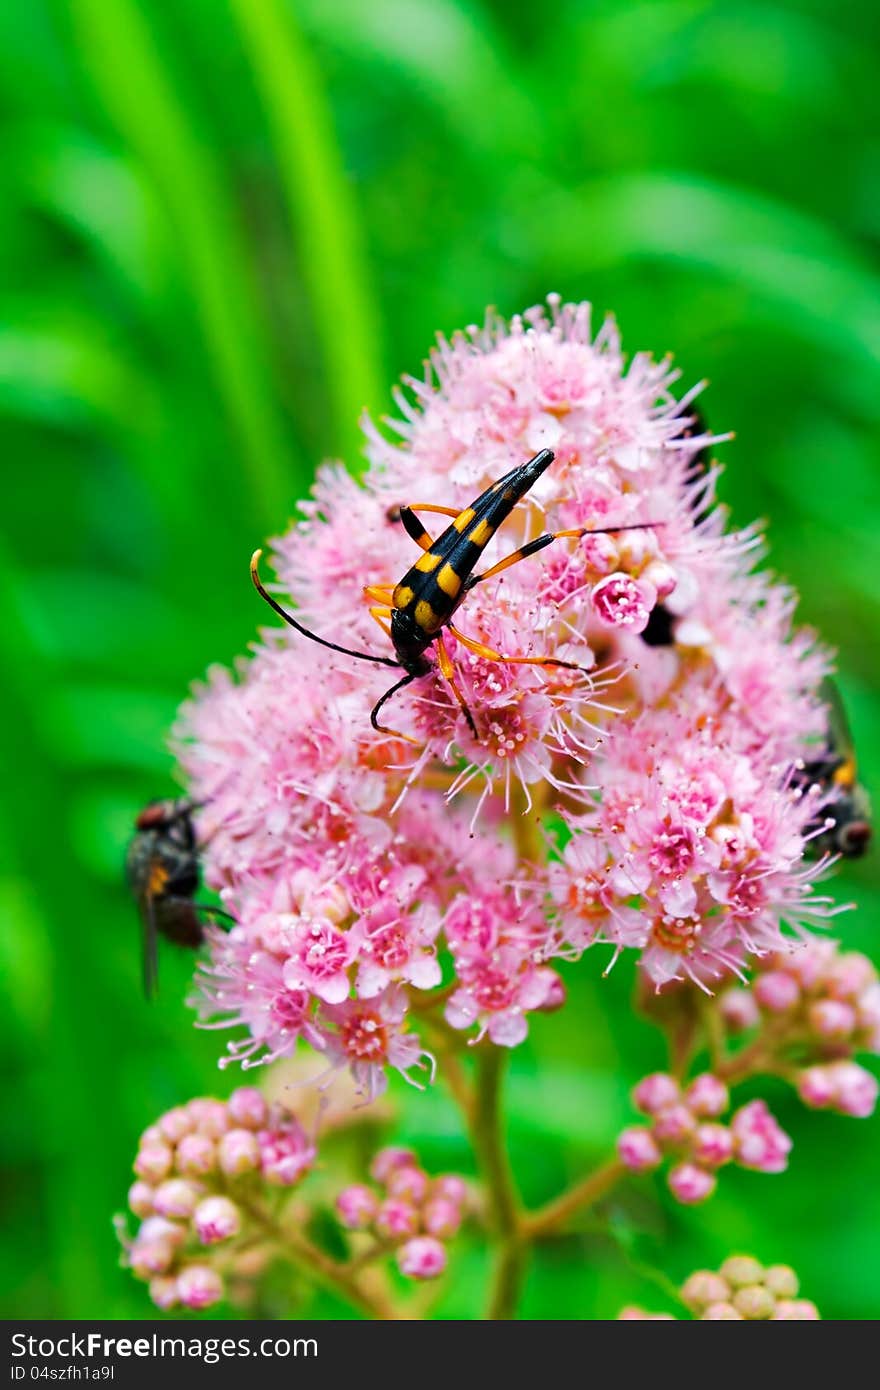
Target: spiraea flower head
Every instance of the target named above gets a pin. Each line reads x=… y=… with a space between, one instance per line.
x=366 y=870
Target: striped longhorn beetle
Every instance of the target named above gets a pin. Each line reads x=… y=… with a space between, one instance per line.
x=414 y=612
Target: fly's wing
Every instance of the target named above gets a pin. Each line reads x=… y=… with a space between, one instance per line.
x=149 y=944
x=839 y=732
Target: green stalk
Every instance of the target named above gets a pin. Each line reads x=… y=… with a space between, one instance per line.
x=322 y=211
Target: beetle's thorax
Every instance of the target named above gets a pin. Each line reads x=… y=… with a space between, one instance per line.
x=410 y=642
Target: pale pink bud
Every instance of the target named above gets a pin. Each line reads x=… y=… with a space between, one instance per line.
x=868 y=1005
x=441 y=1217
x=216 y=1219
x=176 y=1197
x=655 y=1093
x=759 y=1142
x=850 y=975
x=386 y=1160
x=739 y=1010
x=356 y=1207
x=741 y=1270
x=712 y=1145
x=409 y=1183
x=782 y=1281
x=160 y=1228
x=702 y=1288
x=815 y=1086
x=238 y=1152
x=140 y=1198
x=555 y=997
x=661 y=576
x=163 y=1292
x=450 y=1185
x=690 y=1184
x=210 y=1118
x=286 y=1153
x=174 y=1124
x=832 y=1019
x=675 y=1125
x=621 y=601
x=422 y=1258
x=707 y=1095
x=777 y=991
x=638 y=1149
x=154 y=1161
x=199 y=1286
x=754 y=1302
x=396 y=1219
x=196 y=1155
x=855 y=1090
x=601 y=553
x=247 y=1108
x=721 y=1312
x=149 y=1257
x=796 y=1310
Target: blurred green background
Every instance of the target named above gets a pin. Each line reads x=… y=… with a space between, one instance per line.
x=225 y=228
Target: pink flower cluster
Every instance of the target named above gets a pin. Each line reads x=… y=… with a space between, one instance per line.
x=741 y=1291
x=685 y=1126
x=195 y=1189
x=407 y=1211
x=807 y=1012
x=363 y=874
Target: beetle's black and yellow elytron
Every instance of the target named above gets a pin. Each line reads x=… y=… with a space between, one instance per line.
x=843 y=823
x=162 y=868
x=415 y=611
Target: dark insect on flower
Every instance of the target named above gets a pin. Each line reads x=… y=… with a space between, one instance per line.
x=414 y=612
x=162 y=868
x=843 y=822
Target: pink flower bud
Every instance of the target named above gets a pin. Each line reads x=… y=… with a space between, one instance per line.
x=754 y=1302
x=196 y=1155
x=675 y=1125
x=815 y=1086
x=855 y=1090
x=422 y=1258
x=386 y=1160
x=209 y=1117
x=661 y=576
x=286 y=1153
x=555 y=997
x=832 y=1019
x=621 y=601
x=850 y=975
x=176 y=1197
x=796 y=1310
x=140 y=1198
x=174 y=1124
x=721 y=1312
x=868 y=1008
x=450 y=1185
x=247 y=1108
x=776 y=991
x=739 y=1010
x=161 y=1228
x=199 y=1286
x=149 y=1257
x=356 y=1207
x=655 y=1093
x=441 y=1217
x=238 y=1152
x=216 y=1219
x=702 y=1288
x=782 y=1281
x=163 y=1292
x=396 y=1219
x=712 y=1145
x=741 y=1270
x=638 y=1149
x=707 y=1096
x=759 y=1143
x=154 y=1161
x=690 y=1184
x=409 y=1183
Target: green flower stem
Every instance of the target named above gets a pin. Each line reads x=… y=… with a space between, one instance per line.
x=504 y=1213
x=548 y=1220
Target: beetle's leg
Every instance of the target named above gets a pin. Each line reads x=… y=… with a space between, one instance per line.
x=414 y=527
x=381 y=593
x=489 y=654
x=447 y=671
x=547 y=539
x=374 y=712
x=382 y=615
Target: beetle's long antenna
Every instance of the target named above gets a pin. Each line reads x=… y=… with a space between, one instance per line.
x=288 y=618
x=374 y=712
